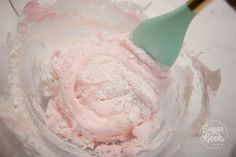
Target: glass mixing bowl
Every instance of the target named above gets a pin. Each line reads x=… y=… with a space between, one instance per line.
x=185 y=106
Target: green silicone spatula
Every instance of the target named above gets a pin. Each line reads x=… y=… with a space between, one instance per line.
x=162 y=37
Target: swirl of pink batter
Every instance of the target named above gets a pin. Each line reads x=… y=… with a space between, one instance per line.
x=105 y=93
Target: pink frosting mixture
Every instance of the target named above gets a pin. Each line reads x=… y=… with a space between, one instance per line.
x=104 y=95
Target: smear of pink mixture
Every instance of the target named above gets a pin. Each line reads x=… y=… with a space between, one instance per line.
x=35 y=13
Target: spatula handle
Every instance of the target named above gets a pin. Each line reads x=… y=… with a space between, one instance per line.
x=197 y=5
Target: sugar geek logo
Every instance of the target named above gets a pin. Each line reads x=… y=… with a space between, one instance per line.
x=213 y=134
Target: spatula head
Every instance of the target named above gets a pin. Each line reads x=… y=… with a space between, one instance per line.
x=162 y=37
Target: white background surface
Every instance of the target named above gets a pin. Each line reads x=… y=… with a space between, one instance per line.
x=213 y=32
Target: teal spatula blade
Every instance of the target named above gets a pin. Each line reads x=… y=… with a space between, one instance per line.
x=162 y=37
